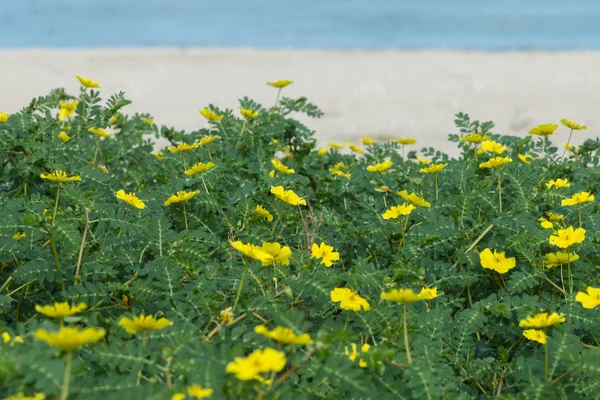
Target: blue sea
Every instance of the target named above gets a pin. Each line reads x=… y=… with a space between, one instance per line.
x=323 y=24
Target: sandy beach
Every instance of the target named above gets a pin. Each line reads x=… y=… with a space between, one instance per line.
x=385 y=94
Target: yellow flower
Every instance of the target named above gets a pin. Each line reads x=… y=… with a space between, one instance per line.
x=210 y=115
x=578 y=198
x=283 y=335
x=497 y=261
x=70 y=338
x=383 y=189
x=336 y=145
x=248 y=114
x=428 y=293
x=474 y=138
x=433 y=168
x=405 y=140
x=159 y=154
x=199 y=167
x=493 y=147
x=99 y=132
x=6 y=338
x=64 y=137
x=227 y=315
x=380 y=167
x=548 y=222
x=367 y=141
x=180 y=197
x=349 y=299
x=87 y=82
x=355 y=148
x=287 y=196
x=274 y=253
x=67 y=109
x=3 y=117
x=21 y=396
x=325 y=253
x=496 y=162
x=18 y=236
x=353 y=354
x=280 y=84
x=337 y=170
x=565 y=238
x=197 y=392
x=322 y=151
x=60 y=310
x=535 y=335
x=130 y=198
x=559 y=258
x=258 y=362
x=113 y=119
x=406 y=296
x=570 y=147
x=279 y=167
x=543 y=129
x=558 y=183
x=590 y=299
x=149 y=121
x=525 y=158
x=260 y=210
x=204 y=140
x=414 y=199
x=423 y=161
x=396 y=211
x=60 y=177
x=143 y=323
x=573 y=125
x=183 y=147
x=542 y=320
x=249 y=250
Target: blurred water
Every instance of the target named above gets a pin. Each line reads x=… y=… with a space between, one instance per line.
x=343 y=24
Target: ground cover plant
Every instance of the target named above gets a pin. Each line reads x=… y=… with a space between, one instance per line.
x=244 y=262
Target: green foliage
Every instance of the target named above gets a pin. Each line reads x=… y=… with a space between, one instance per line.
x=176 y=262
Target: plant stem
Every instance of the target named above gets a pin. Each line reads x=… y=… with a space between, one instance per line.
x=83 y=105
x=239 y=292
x=567 y=145
x=544 y=140
x=546 y=361
x=241 y=133
x=56 y=204
x=80 y=258
x=145 y=338
x=278 y=218
x=204 y=183
x=569 y=272
x=277 y=99
x=67 y=378
x=406 y=346
x=185 y=216
x=347 y=318
x=96 y=152
x=499 y=189
x=436 y=186
x=184 y=162
x=54 y=253
x=579 y=214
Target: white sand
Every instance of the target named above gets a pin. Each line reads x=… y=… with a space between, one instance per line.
x=381 y=93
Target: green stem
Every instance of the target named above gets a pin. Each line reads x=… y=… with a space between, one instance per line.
x=579 y=214
x=436 y=186
x=145 y=339
x=204 y=183
x=56 y=204
x=239 y=292
x=83 y=105
x=347 y=318
x=406 y=346
x=96 y=152
x=184 y=162
x=499 y=189
x=567 y=145
x=546 y=360
x=277 y=99
x=67 y=378
x=544 y=140
x=278 y=218
x=185 y=216
x=241 y=133
x=54 y=253
x=569 y=272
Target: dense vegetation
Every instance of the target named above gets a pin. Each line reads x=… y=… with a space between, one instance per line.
x=243 y=262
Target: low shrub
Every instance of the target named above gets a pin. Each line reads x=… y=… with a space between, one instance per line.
x=243 y=262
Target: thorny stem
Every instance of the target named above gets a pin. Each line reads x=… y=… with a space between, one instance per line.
x=567 y=145
x=56 y=204
x=406 y=346
x=67 y=377
x=239 y=292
